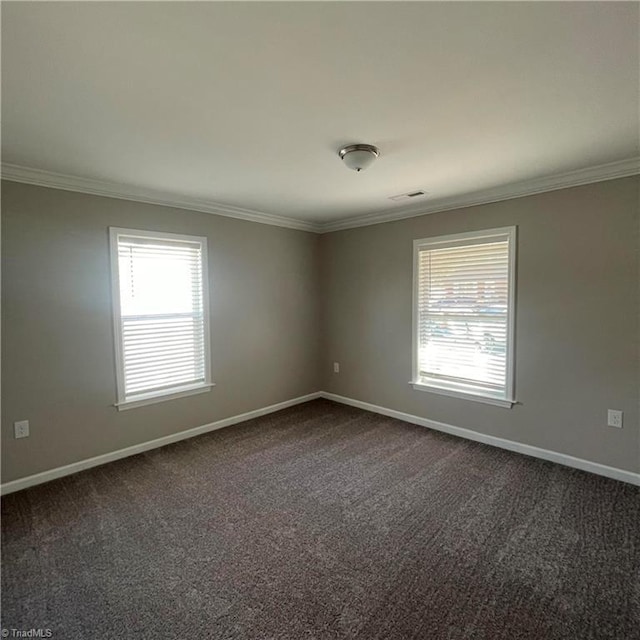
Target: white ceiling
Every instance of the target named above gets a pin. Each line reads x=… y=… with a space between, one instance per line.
x=246 y=104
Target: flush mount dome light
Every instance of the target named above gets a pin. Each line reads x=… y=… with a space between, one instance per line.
x=359 y=156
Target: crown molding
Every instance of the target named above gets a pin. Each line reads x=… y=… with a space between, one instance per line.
x=600 y=173
x=17 y=173
x=610 y=171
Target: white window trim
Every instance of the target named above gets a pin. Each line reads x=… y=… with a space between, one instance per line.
x=154 y=398
x=177 y=392
x=464 y=239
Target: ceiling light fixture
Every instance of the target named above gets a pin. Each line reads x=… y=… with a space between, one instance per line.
x=359 y=156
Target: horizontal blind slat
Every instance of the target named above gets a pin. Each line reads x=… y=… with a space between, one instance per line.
x=176 y=371
x=161 y=364
x=149 y=343
x=151 y=351
x=159 y=332
x=181 y=372
x=161 y=386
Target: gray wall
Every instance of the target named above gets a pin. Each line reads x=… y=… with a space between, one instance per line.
x=576 y=326
x=285 y=301
x=57 y=346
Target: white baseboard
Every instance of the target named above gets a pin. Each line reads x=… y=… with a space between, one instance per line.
x=59 y=472
x=510 y=445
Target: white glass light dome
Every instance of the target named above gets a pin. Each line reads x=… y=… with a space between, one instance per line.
x=359 y=156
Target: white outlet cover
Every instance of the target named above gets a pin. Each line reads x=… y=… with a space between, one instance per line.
x=614 y=418
x=21 y=429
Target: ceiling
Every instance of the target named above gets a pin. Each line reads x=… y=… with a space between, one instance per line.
x=247 y=104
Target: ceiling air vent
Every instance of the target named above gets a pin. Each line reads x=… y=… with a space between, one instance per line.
x=412 y=195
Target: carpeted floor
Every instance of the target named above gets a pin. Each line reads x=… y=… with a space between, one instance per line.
x=325 y=522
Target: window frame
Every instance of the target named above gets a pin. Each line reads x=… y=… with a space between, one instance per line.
x=142 y=399
x=462 y=239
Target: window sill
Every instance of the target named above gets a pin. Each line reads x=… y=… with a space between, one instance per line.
x=144 y=400
x=499 y=402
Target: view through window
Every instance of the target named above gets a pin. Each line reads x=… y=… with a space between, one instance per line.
x=464 y=313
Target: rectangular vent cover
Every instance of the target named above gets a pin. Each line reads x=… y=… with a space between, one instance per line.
x=411 y=195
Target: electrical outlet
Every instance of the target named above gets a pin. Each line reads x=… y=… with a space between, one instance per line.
x=336 y=367
x=21 y=429
x=614 y=418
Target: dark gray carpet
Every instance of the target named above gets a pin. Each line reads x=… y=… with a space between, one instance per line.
x=325 y=522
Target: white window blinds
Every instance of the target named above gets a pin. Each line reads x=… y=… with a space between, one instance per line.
x=464 y=313
x=161 y=322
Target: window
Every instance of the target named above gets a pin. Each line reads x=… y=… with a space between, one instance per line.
x=464 y=290
x=161 y=323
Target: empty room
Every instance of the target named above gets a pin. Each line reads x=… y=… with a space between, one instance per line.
x=320 y=320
